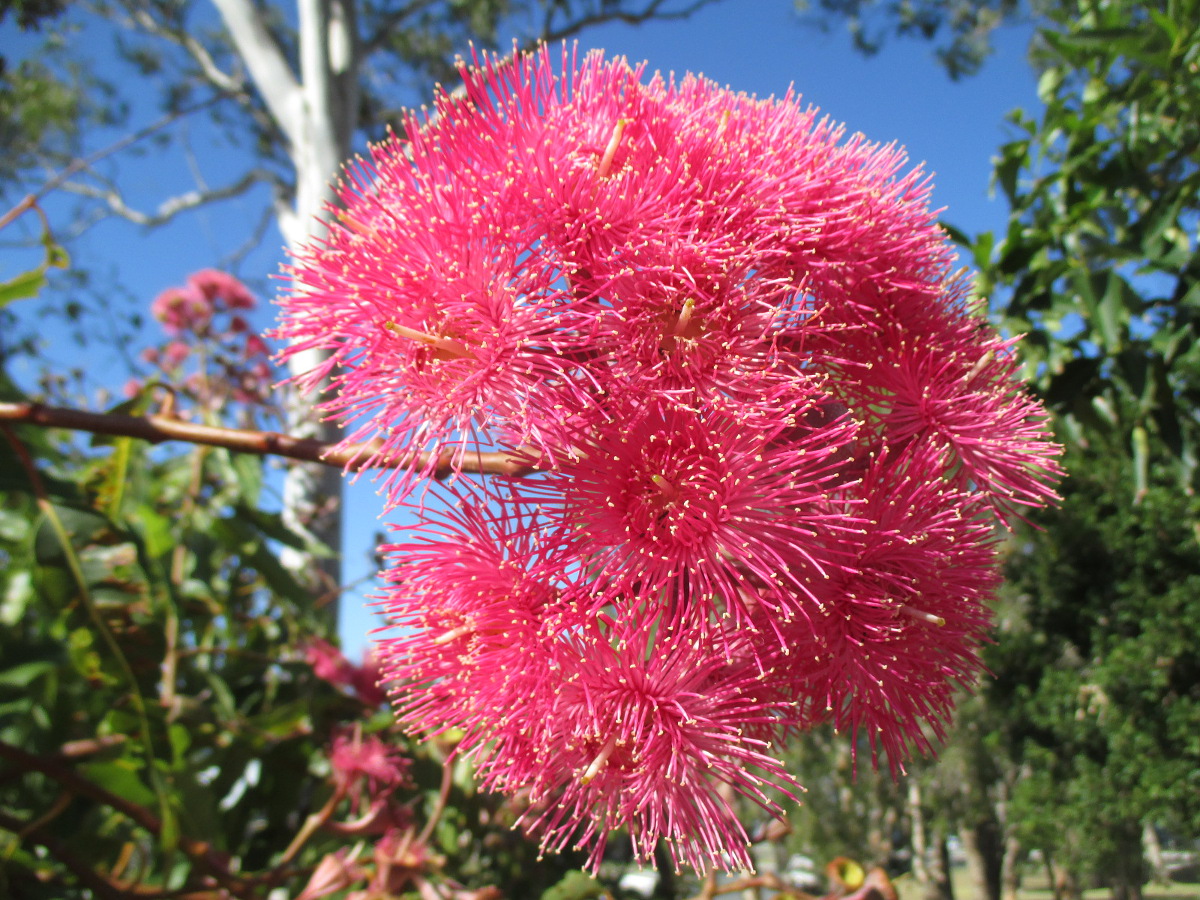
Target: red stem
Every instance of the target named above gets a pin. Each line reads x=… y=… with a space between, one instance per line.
x=159 y=428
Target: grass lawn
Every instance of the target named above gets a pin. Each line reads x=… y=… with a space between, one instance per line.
x=1034 y=887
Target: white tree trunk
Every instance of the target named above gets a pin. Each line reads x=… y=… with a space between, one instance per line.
x=316 y=110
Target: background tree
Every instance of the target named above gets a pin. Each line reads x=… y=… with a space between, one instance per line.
x=1098 y=267
x=1078 y=743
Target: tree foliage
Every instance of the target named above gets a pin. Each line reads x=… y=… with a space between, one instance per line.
x=960 y=29
x=1096 y=696
x=1099 y=264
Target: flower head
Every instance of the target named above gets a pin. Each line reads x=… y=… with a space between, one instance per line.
x=769 y=438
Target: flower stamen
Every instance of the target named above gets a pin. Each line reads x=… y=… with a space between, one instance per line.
x=446 y=345
x=668 y=490
x=598 y=763
x=611 y=150
x=452 y=634
x=685 y=316
x=922 y=616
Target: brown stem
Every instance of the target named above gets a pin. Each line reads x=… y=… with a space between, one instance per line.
x=310 y=826
x=159 y=428
x=711 y=889
x=200 y=852
x=442 y=800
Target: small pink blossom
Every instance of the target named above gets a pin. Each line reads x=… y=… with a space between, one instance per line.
x=328 y=662
x=355 y=757
x=255 y=346
x=217 y=286
x=333 y=873
x=182 y=309
x=174 y=354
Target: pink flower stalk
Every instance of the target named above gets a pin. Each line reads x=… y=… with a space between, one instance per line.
x=770 y=438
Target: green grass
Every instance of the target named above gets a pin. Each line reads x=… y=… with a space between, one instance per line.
x=1034 y=887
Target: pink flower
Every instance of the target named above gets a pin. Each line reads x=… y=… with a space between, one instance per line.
x=898 y=630
x=472 y=599
x=641 y=730
x=216 y=286
x=356 y=758
x=182 y=309
x=366 y=680
x=255 y=346
x=697 y=502
x=174 y=354
x=333 y=873
x=328 y=662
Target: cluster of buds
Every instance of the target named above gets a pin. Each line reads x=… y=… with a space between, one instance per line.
x=372 y=803
x=212 y=355
x=768 y=440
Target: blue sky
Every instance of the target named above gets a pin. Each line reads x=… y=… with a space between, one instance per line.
x=756 y=46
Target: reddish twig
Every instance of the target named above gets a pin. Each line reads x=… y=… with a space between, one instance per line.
x=159 y=428
x=711 y=889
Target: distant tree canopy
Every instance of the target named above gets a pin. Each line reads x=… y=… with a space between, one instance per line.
x=960 y=29
x=1097 y=688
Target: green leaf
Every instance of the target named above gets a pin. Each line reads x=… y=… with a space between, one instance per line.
x=82 y=524
x=23 y=675
x=575 y=885
x=121 y=777
x=155 y=531
x=29 y=284
x=1048 y=84
x=24 y=286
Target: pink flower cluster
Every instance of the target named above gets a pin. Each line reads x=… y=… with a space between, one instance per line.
x=329 y=664
x=770 y=441
x=207 y=326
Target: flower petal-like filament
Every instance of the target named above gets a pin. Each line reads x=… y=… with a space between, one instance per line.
x=611 y=150
x=452 y=634
x=922 y=616
x=446 y=345
x=598 y=763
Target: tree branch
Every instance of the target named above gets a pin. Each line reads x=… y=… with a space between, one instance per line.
x=213 y=74
x=650 y=11
x=173 y=206
x=199 y=852
x=274 y=78
x=159 y=428
x=78 y=165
